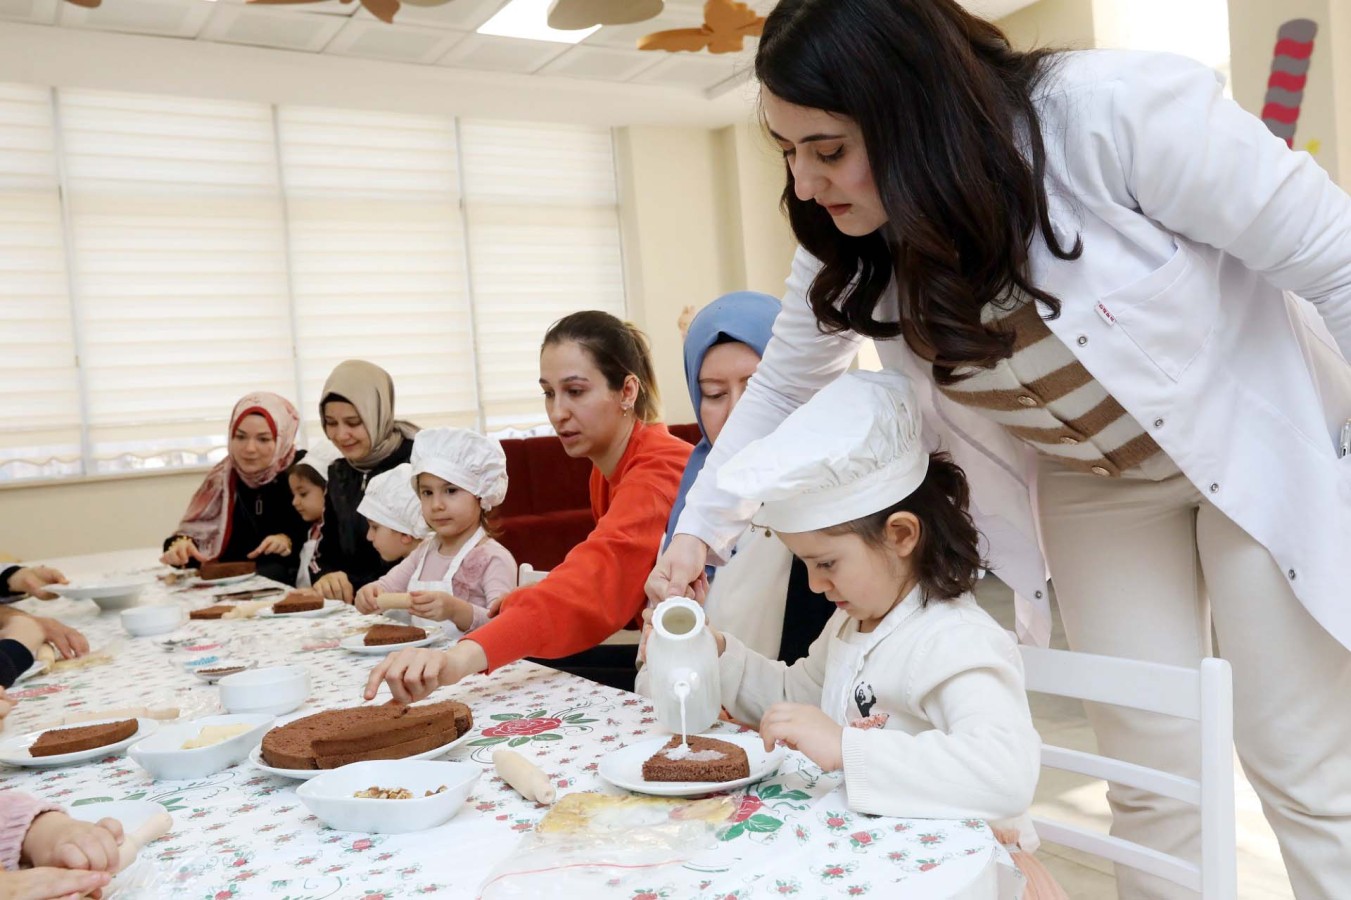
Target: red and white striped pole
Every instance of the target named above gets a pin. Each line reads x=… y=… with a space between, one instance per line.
x=1289 y=73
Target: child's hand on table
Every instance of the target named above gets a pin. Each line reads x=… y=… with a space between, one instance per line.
x=335 y=586
x=365 y=599
x=442 y=607
x=805 y=728
x=55 y=839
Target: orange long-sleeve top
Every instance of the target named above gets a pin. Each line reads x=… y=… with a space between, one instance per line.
x=598 y=587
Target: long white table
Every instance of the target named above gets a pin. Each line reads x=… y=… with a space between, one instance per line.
x=244 y=833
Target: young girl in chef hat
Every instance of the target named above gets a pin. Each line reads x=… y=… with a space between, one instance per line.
x=911 y=689
x=308 y=480
x=459 y=575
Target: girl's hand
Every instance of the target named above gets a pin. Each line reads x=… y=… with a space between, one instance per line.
x=49 y=884
x=6 y=704
x=25 y=629
x=806 y=728
x=679 y=571
x=55 y=839
x=181 y=552
x=365 y=599
x=442 y=607
x=335 y=586
x=413 y=674
x=67 y=641
x=273 y=545
x=32 y=580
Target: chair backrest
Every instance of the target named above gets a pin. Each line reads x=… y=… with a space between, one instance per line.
x=528 y=575
x=1204 y=695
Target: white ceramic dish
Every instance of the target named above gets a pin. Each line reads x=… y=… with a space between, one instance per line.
x=14 y=751
x=162 y=754
x=329 y=795
x=328 y=609
x=624 y=768
x=204 y=673
x=159 y=618
x=111 y=594
x=256 y=757
x=353 y=644
x=276 y=690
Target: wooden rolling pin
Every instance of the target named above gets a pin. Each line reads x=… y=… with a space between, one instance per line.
x=527 y=778
x=46 y=654
x=394 y=601
x=126 y=712
x=153 y=828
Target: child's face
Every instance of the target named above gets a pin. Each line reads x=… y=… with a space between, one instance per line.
x=450 y=511
x=863 y=580
x=307 y=497
x=390 y=544
x=343 y=426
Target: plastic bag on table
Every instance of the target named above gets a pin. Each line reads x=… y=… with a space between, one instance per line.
x=593 y=844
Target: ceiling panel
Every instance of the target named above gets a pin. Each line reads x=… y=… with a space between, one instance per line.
x=39 y=12
x=498 y=54
x=698 y=71
x=365 y=36
x=600 y=63
x=167 y=18
x=271 y=26
x=457 y=15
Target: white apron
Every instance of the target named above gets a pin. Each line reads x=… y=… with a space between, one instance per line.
x=847 y=655
x=307 y=551
x=443 y=585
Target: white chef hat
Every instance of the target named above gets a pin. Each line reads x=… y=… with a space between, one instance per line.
x=466 y=459
x=320 y=456
x=854 y=449
x=391 y=501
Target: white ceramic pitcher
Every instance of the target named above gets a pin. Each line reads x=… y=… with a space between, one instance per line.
x=682 y=661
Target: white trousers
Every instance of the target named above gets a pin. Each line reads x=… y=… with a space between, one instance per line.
x=1143 y=569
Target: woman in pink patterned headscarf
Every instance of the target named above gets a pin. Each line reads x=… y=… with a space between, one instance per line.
x=243 y=509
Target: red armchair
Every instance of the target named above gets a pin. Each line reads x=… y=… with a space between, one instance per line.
x=548 y=509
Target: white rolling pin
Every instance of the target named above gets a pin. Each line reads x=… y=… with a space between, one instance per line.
x=46 y=654
x=126 y=712
x=394 y=601
x=527 y=778
x=153 y=828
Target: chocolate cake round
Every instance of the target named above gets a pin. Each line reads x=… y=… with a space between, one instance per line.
x=210 y=571
x=295 y=602
x=380 y=635
x=210 y=612
x=337 y=737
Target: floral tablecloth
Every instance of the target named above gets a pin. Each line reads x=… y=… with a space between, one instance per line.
x=243 y=833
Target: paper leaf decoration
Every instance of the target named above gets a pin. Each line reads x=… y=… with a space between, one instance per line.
x=574 y=15
x=727 y=24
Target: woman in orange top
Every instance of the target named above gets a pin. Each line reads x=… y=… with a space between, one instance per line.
x=601 y=397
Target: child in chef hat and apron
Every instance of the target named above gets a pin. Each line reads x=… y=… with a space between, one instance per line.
x=308 y=480
x=911 y=689
x=459 y=575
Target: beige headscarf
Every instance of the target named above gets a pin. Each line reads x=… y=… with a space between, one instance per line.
x=370 y=389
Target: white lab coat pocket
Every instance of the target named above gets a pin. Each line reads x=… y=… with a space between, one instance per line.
x=1171 y=312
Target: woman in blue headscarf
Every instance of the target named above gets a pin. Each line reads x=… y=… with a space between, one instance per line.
x=761 y=594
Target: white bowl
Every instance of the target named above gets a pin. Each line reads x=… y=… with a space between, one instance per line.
x=329 y=795
x=158 y=618
x=163 y=756
x=111 y=594
x=275 y=690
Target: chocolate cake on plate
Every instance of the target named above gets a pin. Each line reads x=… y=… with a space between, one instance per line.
x=380 y=635
x=708 y=759
x=210 y=612
x=210 y=571
x=337 y=737
x=85 y=737
x=295 y=602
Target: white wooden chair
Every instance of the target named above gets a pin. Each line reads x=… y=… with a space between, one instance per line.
x=529 y=575
x=1204 y=695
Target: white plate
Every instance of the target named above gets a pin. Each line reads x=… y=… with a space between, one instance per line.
x=228 y=579
x=14 y=751
x=353 y=644
x=256 y=756
x=624 y=768
x=131 y=813
x=100 y=590
x=328 y=609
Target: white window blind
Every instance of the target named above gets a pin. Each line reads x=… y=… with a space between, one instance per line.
x=160 y=257
x=544 y=241
x=180 y=269
x=39 y=388
x=377 y=257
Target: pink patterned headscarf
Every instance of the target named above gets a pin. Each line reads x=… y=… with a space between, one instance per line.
x=207 y=520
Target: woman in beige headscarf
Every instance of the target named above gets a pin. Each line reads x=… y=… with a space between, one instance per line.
x=357 y=406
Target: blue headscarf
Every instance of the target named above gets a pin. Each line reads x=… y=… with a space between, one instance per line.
x=744 y=316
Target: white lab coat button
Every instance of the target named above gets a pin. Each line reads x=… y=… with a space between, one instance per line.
x=1158 y=423
x=1082 y=340
x=1214 y=486
x=1290 y=574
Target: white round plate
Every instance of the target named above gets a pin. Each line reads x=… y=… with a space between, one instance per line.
x=256 y=757
x=131 y=813
x=33 y=671
x=14 y=751
x=228 y=579
x=98 y=590
x=624 y=768
x=328 y=609
x=353 y=644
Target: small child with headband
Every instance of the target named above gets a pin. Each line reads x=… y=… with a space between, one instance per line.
x=459 y=575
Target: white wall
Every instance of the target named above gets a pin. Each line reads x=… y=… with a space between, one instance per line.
x=698 y=197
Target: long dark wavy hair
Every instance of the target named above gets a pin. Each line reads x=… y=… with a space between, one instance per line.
x=945 y=107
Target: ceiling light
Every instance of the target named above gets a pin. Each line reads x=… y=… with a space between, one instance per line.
x=529 y=19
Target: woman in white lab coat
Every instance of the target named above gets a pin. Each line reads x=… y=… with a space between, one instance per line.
x=1081 y=258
